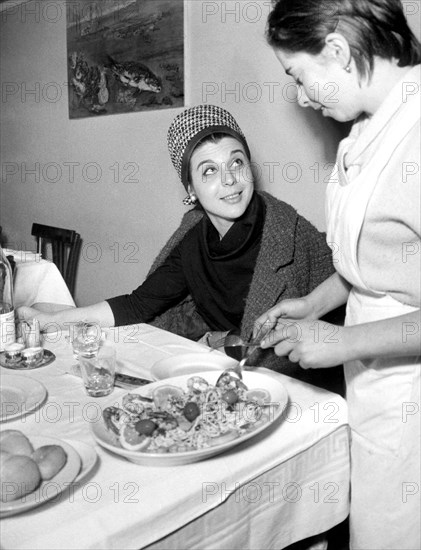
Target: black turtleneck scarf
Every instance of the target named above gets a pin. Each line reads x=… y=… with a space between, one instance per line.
x=216 y=272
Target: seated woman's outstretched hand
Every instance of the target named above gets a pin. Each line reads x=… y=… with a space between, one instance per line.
x=28 y=314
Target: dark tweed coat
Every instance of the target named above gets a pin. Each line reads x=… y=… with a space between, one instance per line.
x=293 y=259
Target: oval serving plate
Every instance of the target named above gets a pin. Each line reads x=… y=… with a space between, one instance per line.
x=50 y=489
x=191 y=363
x=109 y=440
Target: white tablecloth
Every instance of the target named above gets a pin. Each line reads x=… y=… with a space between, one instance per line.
x=285 y=484
x=38 y=281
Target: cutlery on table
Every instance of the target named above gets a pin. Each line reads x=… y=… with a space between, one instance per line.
x=128 y=381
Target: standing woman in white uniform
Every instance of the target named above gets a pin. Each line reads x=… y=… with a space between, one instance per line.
x=358 y=60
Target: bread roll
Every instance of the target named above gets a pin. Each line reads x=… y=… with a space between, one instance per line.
x=3 y=457
x=50 y=460
x=15 y=443
x=19 y=476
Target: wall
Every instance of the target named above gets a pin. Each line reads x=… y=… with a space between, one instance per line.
x=124 y=217
x=124 y=223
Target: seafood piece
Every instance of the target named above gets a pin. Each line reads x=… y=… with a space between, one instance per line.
x=197 y=384
x=168 y=423
x=115 y=418
x=135 y=403
x=251 y=412
x=230 y=381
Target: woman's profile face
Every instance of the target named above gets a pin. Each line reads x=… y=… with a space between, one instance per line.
x=323 y=84
x=222 y=180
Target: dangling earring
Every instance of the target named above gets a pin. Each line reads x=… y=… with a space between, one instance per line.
x=348 y=65
x=190 y=200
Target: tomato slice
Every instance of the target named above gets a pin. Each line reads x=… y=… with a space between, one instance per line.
x=191 y=411
x=230 y=397
x=145 y=427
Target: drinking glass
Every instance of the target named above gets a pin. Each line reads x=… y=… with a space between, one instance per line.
x=86 y=338
x=98 y=371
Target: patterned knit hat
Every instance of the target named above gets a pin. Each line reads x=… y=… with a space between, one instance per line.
x=191 y=126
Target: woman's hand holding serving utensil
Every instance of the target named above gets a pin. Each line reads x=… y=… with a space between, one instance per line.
x=292 y=329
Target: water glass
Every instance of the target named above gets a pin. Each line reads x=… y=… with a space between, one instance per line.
x=86 y=338
x=98 y=371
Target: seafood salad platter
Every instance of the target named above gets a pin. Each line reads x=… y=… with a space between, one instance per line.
x=189 y=418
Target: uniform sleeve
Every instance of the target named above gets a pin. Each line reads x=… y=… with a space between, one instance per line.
x=163 y=288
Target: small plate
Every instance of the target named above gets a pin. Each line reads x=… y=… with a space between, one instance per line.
x=48 y=358
x=109 y=440
x=191 y=363
x=48 y=489
x=19 y=395
x=87 y=454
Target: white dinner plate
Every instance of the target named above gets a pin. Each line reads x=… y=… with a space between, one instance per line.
x=253 y=380
x=88 y=456
x=191 y=363
x=50 y=489
x=19 y=395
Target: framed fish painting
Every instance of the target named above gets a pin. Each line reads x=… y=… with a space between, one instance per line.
x=124 y=56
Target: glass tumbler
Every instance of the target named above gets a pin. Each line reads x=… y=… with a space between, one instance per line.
x=86 y=338
x=98 y=371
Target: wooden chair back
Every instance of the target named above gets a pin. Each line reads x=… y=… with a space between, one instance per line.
x=65 y=245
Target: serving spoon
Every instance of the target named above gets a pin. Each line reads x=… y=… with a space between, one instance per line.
x=241 y=350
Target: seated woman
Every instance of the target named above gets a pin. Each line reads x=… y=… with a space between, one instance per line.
x=236 y=254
